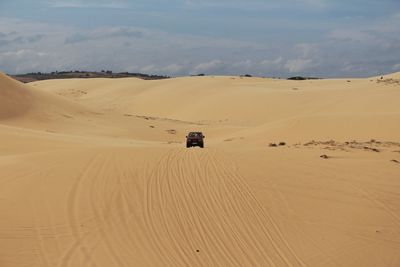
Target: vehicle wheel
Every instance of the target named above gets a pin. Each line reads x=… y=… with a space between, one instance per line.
x=187 y=145
x=201 y=145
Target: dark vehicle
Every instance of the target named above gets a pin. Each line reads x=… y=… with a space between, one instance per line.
x=195 y=139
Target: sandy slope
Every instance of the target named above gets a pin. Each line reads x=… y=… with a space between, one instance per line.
x=95 y=173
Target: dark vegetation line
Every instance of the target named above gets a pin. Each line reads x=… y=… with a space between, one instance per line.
x=40 y=76
x=301 y=78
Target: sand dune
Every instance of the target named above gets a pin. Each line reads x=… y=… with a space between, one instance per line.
x=24 y=106
x=289 y=109
x=94 y=172
x=16 y=98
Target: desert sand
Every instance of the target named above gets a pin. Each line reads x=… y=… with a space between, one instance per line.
x=95 y=172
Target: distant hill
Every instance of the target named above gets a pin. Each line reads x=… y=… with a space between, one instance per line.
x=301 y=78
x=40 y=76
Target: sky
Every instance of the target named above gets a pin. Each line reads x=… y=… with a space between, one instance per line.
x=320 y=38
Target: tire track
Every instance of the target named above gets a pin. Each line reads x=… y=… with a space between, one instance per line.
x=38 y=234
x=72 y=203
x=44 y=261
x=103 y=192
x=242 y=203
x=240 y=231
x=156 y=214
x=50 y=231
x=206 y=202
x=101 y=183
x=240 y=184
x=125 y=203
x=197 y=199
x=187 y=201
x=129 y=215
x=104 y=213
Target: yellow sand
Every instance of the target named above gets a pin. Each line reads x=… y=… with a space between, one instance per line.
x=95 y=172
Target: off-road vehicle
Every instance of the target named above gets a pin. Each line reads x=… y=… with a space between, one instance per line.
x=195 y=139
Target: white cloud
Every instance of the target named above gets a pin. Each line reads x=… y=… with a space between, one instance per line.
x=245 y=64
x=306 y=50
x=208 y=67
x=354 y=51
x=145 y=69
x=299 y=65
x=272 y=63
x=173 y=69
x=23 y=60
x=88 y=4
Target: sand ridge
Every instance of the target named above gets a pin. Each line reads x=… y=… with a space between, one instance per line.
x=94 y=172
